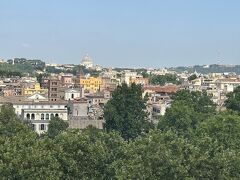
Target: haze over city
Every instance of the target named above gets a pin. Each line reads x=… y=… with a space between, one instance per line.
x=122 y=33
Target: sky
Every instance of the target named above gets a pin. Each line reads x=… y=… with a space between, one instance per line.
x=122 y=33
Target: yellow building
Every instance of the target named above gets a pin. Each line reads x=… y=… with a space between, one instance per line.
x=33 y=90
x=91 y=84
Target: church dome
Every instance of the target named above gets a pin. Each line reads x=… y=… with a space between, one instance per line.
x=87 y=61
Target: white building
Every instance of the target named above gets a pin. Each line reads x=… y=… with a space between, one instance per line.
x=127 y=76
x=39 y=111
x=87 y=62
x=71 y=94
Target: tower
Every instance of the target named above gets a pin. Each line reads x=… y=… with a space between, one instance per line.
x=53 y=89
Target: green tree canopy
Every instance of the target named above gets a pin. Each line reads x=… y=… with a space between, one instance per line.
x=199 y=101
x=56 y=126
x=163 y=79
x=10 y=124
x=233 y=100
x=192 y=77
x=89 y=154
x=188 y=109
x=126 y=112
x=180 y=118
x=223 y=127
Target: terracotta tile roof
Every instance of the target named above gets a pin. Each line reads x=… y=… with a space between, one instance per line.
x=162 y=89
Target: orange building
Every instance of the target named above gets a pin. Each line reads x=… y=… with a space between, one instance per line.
x=91 y=84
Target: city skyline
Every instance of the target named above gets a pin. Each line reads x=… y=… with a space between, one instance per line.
x=123 y=33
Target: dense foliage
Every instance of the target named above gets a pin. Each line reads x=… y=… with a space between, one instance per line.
x=163 y=79
x=217 y=68
x=233 y=100
x=192 y=141
x=126 y=112
x=192 y=77
x=56 y=126
x=8 y=70
x=75 y=70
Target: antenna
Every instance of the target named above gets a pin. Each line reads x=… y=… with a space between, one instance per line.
x=219 y=58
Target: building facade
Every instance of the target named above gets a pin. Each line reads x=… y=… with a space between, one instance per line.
x=40 y=113
x=53 y=89
x=91 y=84
x=33 y=90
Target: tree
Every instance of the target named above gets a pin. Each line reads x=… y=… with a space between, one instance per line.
x=158 y=155
x=163 y=79
x=199 y=101
x=22 y=154
x=180 y=118
x=218 y=140
x=223 y=127
x=10 y=124
x=56 y=126
x=126 y=112
x=192 y=77
x=233 y=100
x=188 y=109
x=89 y=154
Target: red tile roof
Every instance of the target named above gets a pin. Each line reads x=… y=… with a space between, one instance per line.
x=162 y=89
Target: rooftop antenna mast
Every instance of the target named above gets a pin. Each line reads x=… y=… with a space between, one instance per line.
x=219 y=58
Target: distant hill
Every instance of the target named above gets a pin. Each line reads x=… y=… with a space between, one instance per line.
x=204 y=69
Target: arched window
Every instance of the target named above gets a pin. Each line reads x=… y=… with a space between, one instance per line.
x=42 y=116
x=32 y=116
x=72 y=96
x=42 y=127
x=47 y=116
x=28 y=116
x=56 y=115
x=52 y=115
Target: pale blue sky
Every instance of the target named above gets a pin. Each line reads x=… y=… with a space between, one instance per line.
x=124 y=33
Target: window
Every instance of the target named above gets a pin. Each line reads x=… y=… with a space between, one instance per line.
x=52 y=115
x=33 y=127
x=42 y=127
x=28 y=116
x=33 y=116
x=42 y=116
x=72 y=96
x=47 y=116
x=56 y=115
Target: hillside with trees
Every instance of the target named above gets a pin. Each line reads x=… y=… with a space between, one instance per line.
x=205 y=69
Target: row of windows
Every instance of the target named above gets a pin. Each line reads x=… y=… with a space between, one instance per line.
x=54 y=83
x=39 y=106
x=47 y=116
x=32 y=116
x=92 y=82
x=42 y=127
x=96 y=86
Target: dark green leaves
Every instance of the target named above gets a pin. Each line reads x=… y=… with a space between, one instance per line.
x=126 y=112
